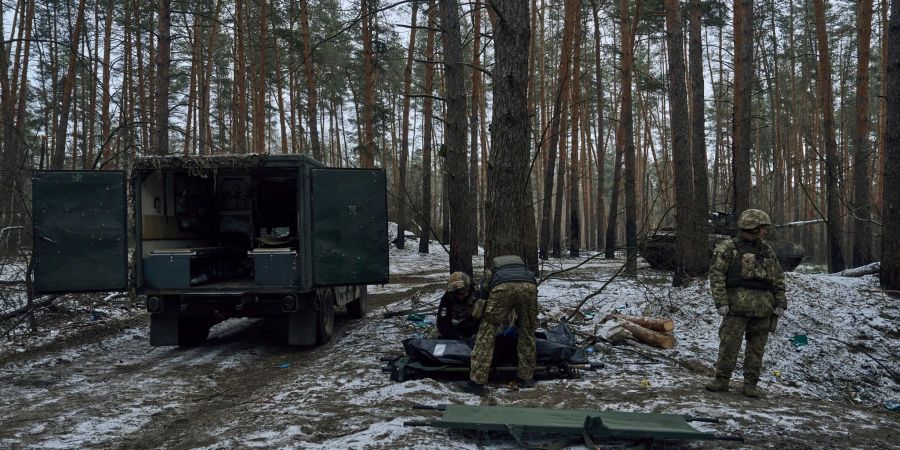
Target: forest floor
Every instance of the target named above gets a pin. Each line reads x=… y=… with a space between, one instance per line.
x=89 y=379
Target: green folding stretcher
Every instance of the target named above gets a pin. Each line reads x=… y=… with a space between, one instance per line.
x=590 y=424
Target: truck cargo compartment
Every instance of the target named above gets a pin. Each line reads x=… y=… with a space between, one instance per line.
x=200 y=229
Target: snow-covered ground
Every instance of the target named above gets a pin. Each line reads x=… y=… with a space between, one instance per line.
x=99 y=384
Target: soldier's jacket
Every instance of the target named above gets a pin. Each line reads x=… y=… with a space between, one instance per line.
x=454 y=318
x=746 y=277
x=506 y=274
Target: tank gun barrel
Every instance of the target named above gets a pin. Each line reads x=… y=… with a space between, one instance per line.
x=799 y=223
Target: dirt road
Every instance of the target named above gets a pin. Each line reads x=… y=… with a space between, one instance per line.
x=105 y=387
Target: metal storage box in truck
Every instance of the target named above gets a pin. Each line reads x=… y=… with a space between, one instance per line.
x=214 y=237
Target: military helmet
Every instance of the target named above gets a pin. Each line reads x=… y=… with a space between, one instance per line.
x=457 y=281
x=507 y=260
x=752 y=219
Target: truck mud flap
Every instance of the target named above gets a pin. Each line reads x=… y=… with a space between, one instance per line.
x=164 y=330
x=302 y=327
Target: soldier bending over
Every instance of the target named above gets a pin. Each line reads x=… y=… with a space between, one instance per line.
x=511 y=288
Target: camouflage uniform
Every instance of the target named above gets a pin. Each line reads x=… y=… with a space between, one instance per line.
x=454 y=317
x=746 y=278
x=517 y=296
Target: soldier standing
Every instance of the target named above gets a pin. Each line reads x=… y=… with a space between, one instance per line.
x=510 y=288
x=747 y=285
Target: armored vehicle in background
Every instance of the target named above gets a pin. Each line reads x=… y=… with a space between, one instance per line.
x=216 y=237
x=659 y=247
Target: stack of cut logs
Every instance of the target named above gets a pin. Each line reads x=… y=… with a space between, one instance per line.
x=655 y=331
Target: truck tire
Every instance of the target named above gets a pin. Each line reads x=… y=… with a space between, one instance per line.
x=357 y=308
x=325 y=317
x=192 y=331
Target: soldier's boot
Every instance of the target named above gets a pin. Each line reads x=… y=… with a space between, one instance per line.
x=523 y=383
x=719 y=384
x=750 y=390
x=473 y=388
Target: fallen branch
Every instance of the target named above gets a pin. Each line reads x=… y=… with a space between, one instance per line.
x=877 y=361
x=868 y=269
x=596 y=293
x=27 y=308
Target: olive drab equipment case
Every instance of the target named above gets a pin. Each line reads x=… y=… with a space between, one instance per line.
x=214 y=237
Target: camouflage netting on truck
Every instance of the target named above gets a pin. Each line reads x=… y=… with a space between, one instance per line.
x=197 y=165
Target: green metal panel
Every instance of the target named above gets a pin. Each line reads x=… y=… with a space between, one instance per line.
x=79 y=224
x=597 y=423
x=349 y=226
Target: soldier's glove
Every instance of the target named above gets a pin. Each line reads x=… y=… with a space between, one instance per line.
x=779 y=311
x=722 y=310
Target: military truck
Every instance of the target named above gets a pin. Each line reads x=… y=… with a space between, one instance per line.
x=216 y=237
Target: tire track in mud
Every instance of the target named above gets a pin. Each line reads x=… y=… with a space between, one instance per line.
x=106 y=388
x=259 y=396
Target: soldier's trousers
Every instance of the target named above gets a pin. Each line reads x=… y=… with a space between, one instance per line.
x=505 y=298
x=732 y=331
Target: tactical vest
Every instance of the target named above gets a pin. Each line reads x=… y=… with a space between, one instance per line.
x=748 y=266
x=509 y=273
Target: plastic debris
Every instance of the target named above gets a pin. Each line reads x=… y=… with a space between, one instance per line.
x=799 y=341
x=510 y=332
x=284 y=365
x=892 y=406
x=645 y=383
x=419 y=321
x=777 y=373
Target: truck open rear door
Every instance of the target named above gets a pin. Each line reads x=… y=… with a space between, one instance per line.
x=80 y=242
x=349 y=226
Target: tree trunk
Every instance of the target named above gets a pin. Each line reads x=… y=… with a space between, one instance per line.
x=367 y=146
x=8 y=169
x=506 y=231
x=700 y=204
x=312 y=96
x=162 y=79
x=402 y=196
x=560 y=107
x=425 y=219
x=661 y=324
x=862 y=197
x=681 y=150
x=601 y=148
x=890 y=235
x=194 y=40
x=473 y=117
x=574 y=213
x=59 y=152
x=239 y=94
x=259 y=94
x=105 y=121
x=832 y=165
x=462 y=219
x=743 y=75
x=649 y=336
x=612 y=219
x=628 y=32
x=206 y=139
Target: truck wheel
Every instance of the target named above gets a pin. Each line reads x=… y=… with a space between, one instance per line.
x=192 y=331
x=325 y=317
x=357 y=308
